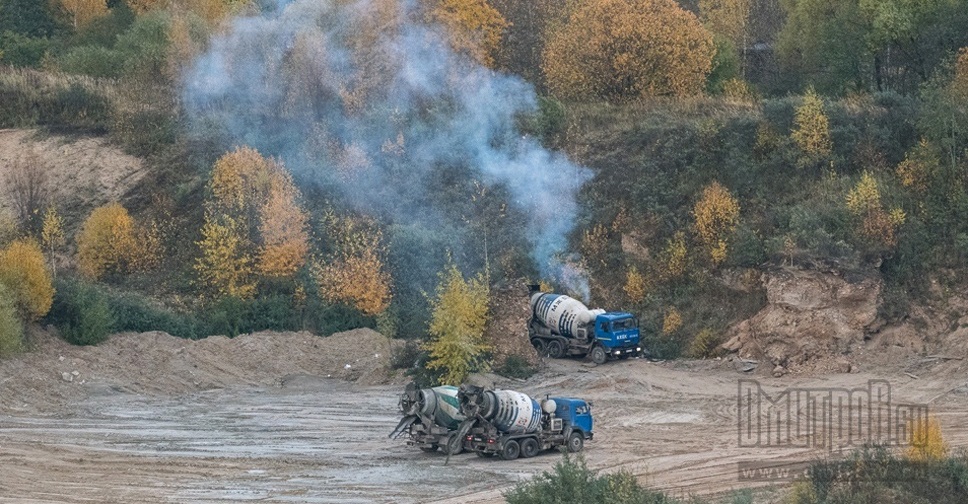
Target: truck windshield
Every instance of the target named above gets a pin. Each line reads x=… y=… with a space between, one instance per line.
x=629 y=323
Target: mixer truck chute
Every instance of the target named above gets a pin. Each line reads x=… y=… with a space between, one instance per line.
x=560 y=326
x=430 y=418
x=511 y=424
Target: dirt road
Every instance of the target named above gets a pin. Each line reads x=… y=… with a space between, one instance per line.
x=317 y=440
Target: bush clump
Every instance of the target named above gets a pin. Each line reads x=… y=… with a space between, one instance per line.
x=571 y=482
x=11 y=329
x=82 y=314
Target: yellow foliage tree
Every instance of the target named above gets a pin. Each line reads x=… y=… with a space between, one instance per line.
x=674 y=256
x=636 y=286
x=241 y=181
x=622 y=50
x=926 y=443
x=52 y=235
x=84 y=11
x=474 y=27
x=460 y=312
x=876 y=224
x=865 y=196
x=672 y=321
x=354 y=273
x=225 y=267
x=23 y=272
x=727 y=18
x=716 y=214
x=285 y=241
x=919 y=165
x=258 y=196
x=105 y=241
x=358 y=280
x=811 y=128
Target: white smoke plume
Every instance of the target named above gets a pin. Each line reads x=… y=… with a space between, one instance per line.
x=367 y=99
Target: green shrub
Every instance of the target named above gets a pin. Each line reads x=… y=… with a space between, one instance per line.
x=136 y=314
x=93 y=61
x=11 y=328
x=516 y=367
x=21 y=51
x=571 y=482
x=81 y=312
x=872 y=474
x=406 y=356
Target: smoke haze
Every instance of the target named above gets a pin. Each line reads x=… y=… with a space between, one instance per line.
x=368 y=101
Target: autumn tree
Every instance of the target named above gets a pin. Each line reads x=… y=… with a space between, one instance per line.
x=920 y=165
x=875 y=223
x=717 y=215
x=84 y=11
x=811 y=128
x=728 y=19
x=241 y=181
x=105 y=241
x=474 y=27
x=24 y=273
x=622 y=50
x=225 y=267
x=52 y=235
x=636 y=286
x=926 y=442
x=282 y=226
x=354 y=273
x=672 y=321
x=460 y=312
x=253 y=223
x=674 y=256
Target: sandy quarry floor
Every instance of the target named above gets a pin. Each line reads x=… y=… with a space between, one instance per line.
x=280 y=418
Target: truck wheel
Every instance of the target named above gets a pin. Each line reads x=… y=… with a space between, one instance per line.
x=540 y=347
x=555 y=349
x=452 y=445
x=511 y=450
x=576 y=441
x=598 y=355
x=529 y=447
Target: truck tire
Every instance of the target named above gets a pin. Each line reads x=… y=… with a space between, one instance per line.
x=452 y=445
x=598 y=355
x=529 y=447
x=540 y=346
x=511 y=450
x=556 y=349
x=576 y=441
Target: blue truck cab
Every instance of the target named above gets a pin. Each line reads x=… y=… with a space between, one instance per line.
x=575 y=415
x=618 y=332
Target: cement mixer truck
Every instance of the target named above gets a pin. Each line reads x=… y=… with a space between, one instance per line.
x=511 y=424
x=431 y=417
x=560 y=326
